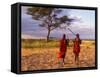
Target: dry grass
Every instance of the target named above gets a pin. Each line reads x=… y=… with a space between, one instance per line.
x=46 y=58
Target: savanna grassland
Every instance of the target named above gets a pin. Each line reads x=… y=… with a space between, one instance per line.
x=37 y=54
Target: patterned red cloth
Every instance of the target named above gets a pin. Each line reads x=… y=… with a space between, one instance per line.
x=63 y=48
x=76 y=48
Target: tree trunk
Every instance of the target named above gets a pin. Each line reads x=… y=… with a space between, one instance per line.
x=48 y=35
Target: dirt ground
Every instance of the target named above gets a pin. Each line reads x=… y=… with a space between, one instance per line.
x=46 y=58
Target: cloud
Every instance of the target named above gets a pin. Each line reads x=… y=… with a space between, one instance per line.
x=76 y=17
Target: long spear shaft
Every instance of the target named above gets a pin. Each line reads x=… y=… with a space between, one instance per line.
x=71 y=31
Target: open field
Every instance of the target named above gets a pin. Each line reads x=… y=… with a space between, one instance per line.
x=39 y=55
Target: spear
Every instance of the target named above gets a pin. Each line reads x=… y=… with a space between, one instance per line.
x=71 y=31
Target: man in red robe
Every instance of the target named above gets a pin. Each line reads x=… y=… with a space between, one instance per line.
x=63 y=49
x=76 y=49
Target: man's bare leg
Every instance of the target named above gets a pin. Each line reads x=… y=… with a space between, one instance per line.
x=63 y=61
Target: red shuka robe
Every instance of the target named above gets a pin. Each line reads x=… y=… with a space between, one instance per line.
x=63 y=48
x=76 y=48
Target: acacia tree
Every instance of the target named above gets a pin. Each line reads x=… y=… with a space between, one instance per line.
x=50 y=18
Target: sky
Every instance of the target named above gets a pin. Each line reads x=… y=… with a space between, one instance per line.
x=85 y=26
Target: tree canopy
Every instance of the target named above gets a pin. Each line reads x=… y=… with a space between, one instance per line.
x=50 y=18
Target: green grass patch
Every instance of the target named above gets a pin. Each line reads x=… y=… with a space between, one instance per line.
x=39 y=43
